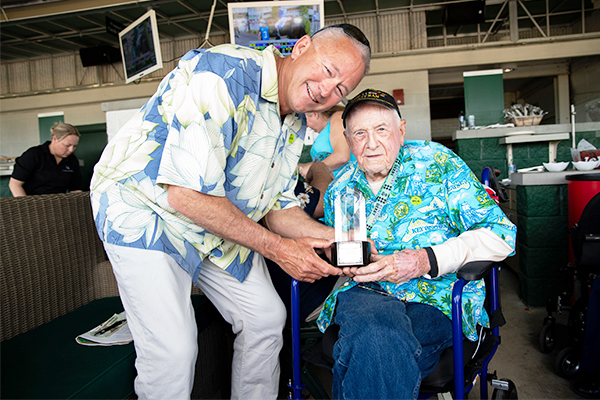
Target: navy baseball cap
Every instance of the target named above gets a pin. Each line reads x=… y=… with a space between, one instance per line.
x=377 y=96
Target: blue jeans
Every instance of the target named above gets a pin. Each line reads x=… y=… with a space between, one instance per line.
x=385 y=347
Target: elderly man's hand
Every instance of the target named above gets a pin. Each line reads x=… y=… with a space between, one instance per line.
x=298 y=258
x=394 y=268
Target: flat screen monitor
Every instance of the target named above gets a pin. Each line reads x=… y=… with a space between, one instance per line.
x=140 y=47
x=279 y=23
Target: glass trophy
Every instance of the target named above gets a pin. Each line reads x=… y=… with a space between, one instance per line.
x=351 y=248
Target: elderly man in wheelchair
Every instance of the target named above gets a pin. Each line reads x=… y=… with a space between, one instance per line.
x=427 y=216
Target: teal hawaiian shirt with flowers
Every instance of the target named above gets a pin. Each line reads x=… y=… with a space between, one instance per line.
x=434 y=197
x=212 y=126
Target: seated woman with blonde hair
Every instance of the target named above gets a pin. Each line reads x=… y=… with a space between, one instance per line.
x=50 y=167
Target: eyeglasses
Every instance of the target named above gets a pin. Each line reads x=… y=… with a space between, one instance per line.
x=351 y=31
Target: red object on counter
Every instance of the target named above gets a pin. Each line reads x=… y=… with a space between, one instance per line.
x=581 y=187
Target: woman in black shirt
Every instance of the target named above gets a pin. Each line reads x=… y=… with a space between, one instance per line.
x=50 y=167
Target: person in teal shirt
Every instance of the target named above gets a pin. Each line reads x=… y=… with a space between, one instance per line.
x=329 y=146
x=329 y=153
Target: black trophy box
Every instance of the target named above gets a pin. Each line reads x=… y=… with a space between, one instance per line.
x=350 y=254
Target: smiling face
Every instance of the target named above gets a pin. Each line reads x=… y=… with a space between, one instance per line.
x=63 y=148
x=319 y=74
x=375 y=135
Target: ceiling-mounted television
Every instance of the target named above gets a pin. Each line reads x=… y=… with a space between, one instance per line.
x=279 y=23
x=140 y=47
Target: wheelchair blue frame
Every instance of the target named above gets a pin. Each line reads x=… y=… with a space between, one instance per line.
x=296 y=385
x=457 y=336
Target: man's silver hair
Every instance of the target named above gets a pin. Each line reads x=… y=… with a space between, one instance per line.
x=335 y=33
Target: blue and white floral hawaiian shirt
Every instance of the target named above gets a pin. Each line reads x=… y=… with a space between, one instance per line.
x=435 y=197
x=212 y=126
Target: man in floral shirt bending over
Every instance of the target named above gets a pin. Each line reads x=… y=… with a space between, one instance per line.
x=427 y=215
x=178 y=193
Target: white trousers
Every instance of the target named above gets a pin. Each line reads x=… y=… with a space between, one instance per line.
x=155 y=292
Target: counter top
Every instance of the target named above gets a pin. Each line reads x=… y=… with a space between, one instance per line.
x=545 y=178
x=6 y=170
x=525 y=130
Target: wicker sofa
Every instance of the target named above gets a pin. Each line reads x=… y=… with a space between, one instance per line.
x=56 y=283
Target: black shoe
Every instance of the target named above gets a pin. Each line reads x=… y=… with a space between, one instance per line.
x=587 y=387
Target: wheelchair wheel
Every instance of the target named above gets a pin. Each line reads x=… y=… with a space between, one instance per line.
x=567 y=363
x=548 y=338
x=510 y=393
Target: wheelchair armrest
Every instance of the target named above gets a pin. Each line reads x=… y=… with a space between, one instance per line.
x=475 y=270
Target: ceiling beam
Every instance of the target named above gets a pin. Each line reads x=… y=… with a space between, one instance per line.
x=460 y=56
x=22 y=50
x=47 y=35
x=343 y=10
x=494 y=22
x=129 y=21
x=47 y=9
x=522 y=70
x=531 y=18
x=56 y=36
x=114 y=42
x=16 y=41
x=91 y=21
x=180 y=26
x=67 y=29
x=201 y=15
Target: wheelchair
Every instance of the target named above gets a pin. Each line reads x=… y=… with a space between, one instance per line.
x=585 y=241
x=460 y=366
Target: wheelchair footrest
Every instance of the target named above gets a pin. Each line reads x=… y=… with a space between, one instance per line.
x=500 y=384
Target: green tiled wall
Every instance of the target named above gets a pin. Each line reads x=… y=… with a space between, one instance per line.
x=479 y=153
x=542 y=261
x=4 y=190
x=543 y=201
x=534 y=291
x=542 y=211
x=542 y=220
x=542 y=231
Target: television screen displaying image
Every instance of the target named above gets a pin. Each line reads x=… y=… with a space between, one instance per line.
x=140 y=47
x=279 y=23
